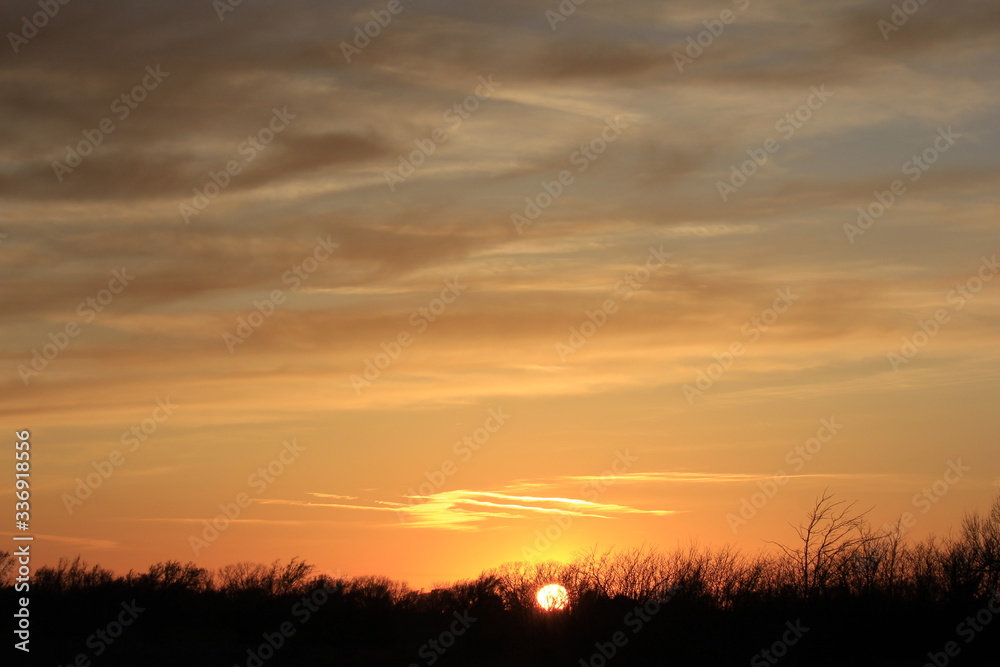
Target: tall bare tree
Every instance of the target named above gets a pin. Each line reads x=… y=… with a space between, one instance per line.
x=831 y=533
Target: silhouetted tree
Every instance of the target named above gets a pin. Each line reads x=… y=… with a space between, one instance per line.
x=172 y=576
x=273 y=579
x=831 y=533
x=980 y=537
x=69 y=575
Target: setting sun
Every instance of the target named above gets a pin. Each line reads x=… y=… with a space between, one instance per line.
x=552 y=597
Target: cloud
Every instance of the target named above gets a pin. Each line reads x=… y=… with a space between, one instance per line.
x=705 y=477
x=76 y=542
x=657 y=184
x=467 y=510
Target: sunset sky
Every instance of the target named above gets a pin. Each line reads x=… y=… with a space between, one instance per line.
x=488 y=272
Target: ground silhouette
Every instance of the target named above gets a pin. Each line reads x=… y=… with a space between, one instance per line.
x=842 y=593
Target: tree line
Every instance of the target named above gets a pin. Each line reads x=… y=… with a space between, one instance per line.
x=868 y=595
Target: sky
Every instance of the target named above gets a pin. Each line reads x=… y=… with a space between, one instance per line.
x=418 y=288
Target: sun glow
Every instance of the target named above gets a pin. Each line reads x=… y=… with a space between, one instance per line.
x=552 y=597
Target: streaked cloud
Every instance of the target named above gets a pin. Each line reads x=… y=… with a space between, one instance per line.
x=466 y=510
x=654 y=186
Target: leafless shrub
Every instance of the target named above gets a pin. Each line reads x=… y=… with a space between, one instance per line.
x=273 y=579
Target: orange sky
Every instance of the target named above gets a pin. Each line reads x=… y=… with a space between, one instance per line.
x=495 y=286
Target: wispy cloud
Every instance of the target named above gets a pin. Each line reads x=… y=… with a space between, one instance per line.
x=74 y=542
x=706 y=477
x=463 y=509
x=655 y=184
x=302 y=503
x=201 y=520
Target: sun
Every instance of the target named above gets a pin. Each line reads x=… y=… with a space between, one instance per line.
x=552 y=597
